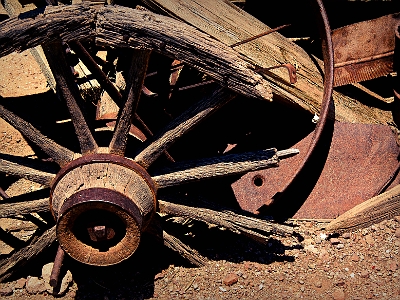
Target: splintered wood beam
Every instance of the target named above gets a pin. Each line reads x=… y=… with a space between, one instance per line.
x=136 y=76
x=11 y=209
x=372 y=211
x=14 y=169
x=60 y=154
x=10 y=265
x=69 y=92
x=184 y=250
x=254 y=228
x=183 y=124
x=223 y=165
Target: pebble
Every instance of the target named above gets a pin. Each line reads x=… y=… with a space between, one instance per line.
x=397 y=233
x=339 y=246
x=222 y=289
x=369 y=240
x=318 y=284
x=346 y=235
x=230 y=279
x=392 y=266
x=6 y=291
x=335 y=241
x=355 y=258
x=338 y=295
x=35 y=285
x=364 y=274
x=20 y=284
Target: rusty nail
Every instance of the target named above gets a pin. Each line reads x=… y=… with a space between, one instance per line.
x=259 y=35
x=55 y=272
x=291 y=69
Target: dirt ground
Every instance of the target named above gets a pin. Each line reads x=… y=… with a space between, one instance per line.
x=364 y=264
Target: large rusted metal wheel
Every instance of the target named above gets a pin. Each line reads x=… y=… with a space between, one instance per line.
x=101 y=198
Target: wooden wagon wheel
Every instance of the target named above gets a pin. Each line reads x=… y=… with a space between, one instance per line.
x=101 y=200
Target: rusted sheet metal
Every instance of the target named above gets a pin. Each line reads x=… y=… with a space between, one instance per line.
x=364 y=50
x=349 y=165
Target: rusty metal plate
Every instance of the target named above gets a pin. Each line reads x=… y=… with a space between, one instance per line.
x=364 y=50
x=350 y=164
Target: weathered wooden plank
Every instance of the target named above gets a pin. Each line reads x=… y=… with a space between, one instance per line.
x=372 y=211
x=20 y=258
x=182 y=124
x=230 y=24
x=223 y=165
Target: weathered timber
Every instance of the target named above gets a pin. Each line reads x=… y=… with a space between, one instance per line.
x=11 y=265
x=69 y=92
x=372 y=211
x=136 y=77
x=124 y=27
x=182 y=124
x=59 y=153
x=34 y=175
x=11 y=209
x=223 y=165
x=254 y=228
x=230 y=24
x=177 y=245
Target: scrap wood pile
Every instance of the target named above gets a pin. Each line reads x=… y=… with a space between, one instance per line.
x=325 y=148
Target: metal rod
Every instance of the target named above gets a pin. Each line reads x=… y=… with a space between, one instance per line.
x=259 y=35
x=55 y=272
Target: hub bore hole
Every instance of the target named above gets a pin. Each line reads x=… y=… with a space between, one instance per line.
x=258 y=180
x=99 y=229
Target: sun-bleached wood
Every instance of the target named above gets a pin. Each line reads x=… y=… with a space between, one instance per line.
x=10 y=209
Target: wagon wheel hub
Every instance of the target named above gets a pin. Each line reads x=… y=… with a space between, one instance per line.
x=102 y=203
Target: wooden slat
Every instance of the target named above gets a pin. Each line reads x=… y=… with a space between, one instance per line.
x=23 y=207
x=229 y=24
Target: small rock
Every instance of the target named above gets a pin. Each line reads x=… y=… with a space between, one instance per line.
x=35 y=285
x=397 y=233
x=338 y=295
x=392 y=266
x=281 y=277
x=369 y=240
x=222 y=289
x=346 y=235
x=364 y=274
x=230 y=279
x=335 y=241
x=339 y=246
x=6 y=291
x=318 y=284
x=20 y=284
x=355 y=258
x=63 y=286
x=261 y=286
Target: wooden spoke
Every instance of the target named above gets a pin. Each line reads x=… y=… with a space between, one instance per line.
x=254 y=228
x=59 y=153
x=136 y=77
x=18 y=259
x=183 y=124
x=68 y=91
x=23 y=204
x=15 y=169
x=190 y=254
x=220 y=166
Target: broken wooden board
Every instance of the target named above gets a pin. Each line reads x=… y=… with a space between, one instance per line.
x=229 y=24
